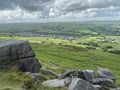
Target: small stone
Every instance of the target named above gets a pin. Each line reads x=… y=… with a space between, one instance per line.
x=49 y=72
x=68 y=73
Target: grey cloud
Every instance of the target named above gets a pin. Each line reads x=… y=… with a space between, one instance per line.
x=64 y=8
x=6 y=4
x=98 y=7
x=30 y=5
x=86 y=4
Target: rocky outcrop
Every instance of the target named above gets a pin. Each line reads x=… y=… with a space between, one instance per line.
x=85 y=80
x=18 y=52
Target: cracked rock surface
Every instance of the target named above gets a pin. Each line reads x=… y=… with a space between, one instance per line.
x=18 y=52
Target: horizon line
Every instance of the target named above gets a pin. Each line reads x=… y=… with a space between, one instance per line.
x=50 y=20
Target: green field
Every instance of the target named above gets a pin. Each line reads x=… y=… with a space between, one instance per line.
x=61 y=29
x=65 y=45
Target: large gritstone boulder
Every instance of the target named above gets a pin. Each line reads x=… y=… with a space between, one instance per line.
x=18 y=52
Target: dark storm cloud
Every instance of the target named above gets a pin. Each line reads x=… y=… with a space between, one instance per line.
x=30 y=5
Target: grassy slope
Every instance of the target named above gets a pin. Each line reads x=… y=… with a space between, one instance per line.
x=55 y=57
x=59 y=56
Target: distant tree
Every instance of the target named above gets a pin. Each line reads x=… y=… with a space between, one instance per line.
x=109 y=47
x=93 y=44
x=115 y=51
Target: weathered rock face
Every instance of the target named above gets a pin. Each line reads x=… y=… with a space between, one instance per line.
x=30 y=64
x=87 y=75
x=103 y=81
x=79 y=84
x=106 y=73
x=18 y=51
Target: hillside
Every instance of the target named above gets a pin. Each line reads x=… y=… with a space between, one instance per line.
x=60 y=46
x=76 y=29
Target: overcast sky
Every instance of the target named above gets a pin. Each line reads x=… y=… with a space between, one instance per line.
x=65 y=9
